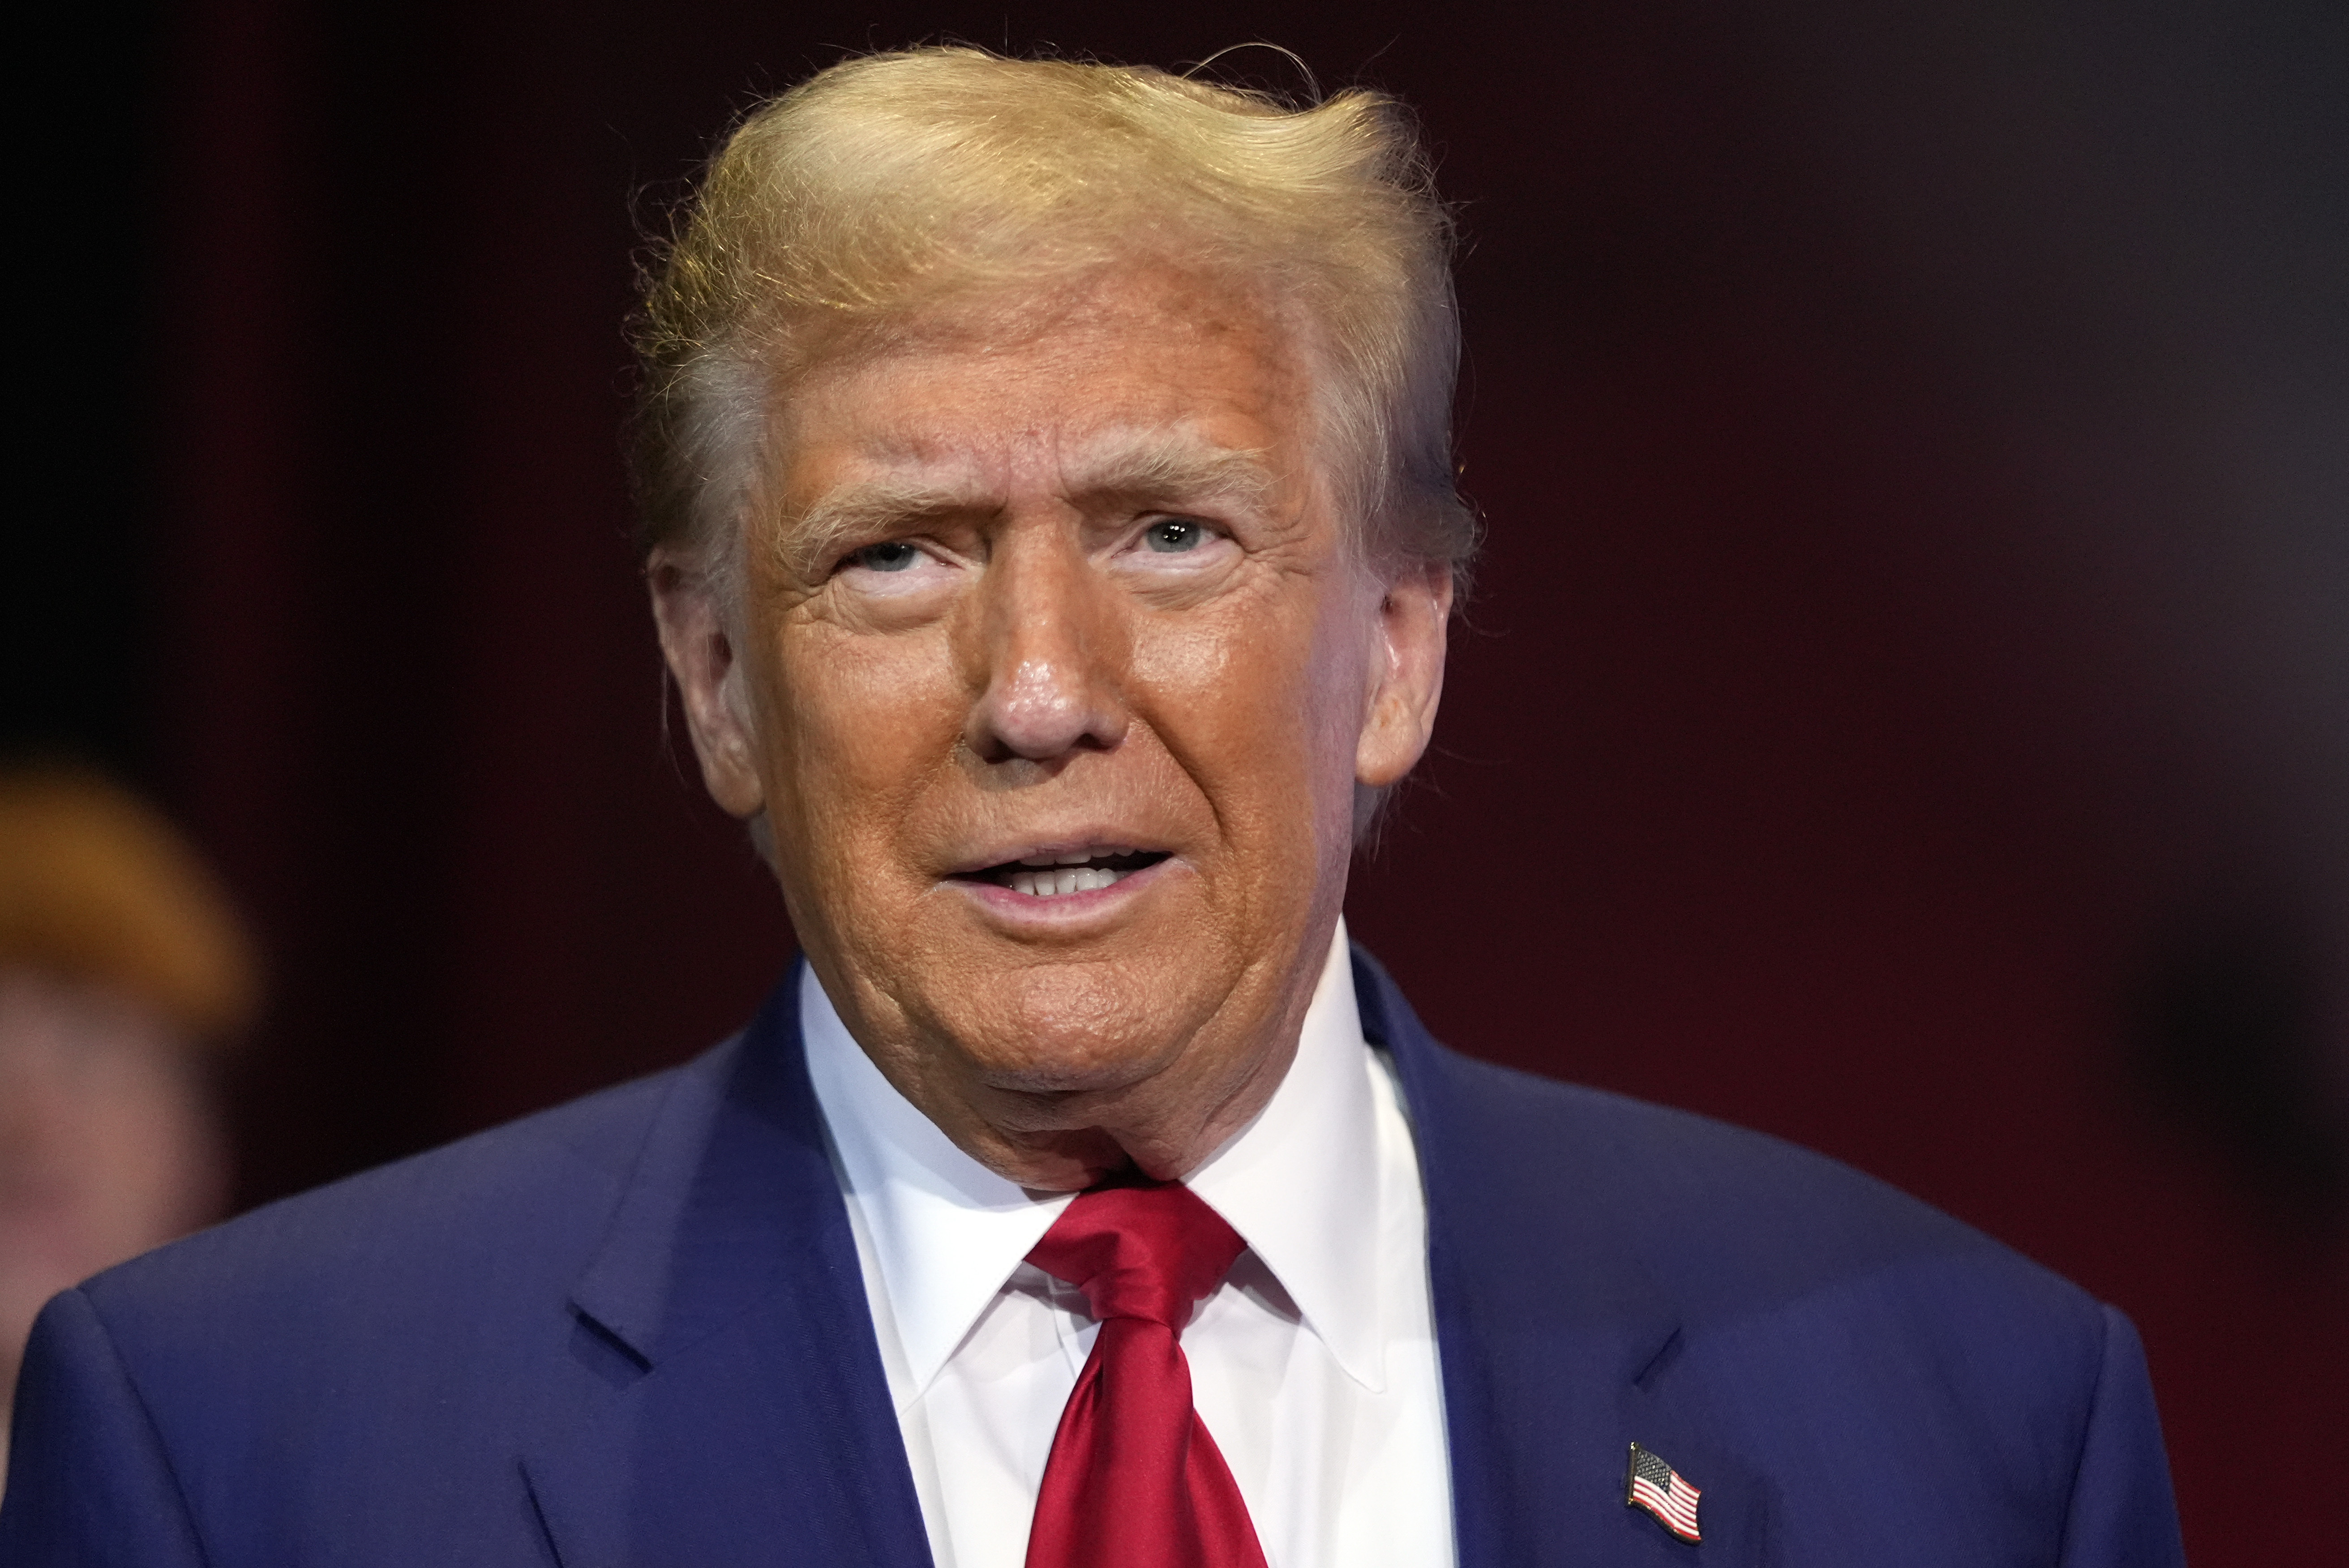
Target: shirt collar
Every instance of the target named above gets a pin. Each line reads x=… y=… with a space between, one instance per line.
x=946 y=1231
x=1299 y=1183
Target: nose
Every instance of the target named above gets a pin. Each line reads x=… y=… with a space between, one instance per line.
x=1051 y=655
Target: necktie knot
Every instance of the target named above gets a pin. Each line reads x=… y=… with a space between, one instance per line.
x=1147 y=1253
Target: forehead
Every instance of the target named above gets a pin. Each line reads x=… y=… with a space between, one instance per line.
x=1091 y=374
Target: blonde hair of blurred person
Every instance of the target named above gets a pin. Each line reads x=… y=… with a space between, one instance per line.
x=123 y=970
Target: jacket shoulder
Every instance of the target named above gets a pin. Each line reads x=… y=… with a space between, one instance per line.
x=1729 y=1218
x=500 y=1218
x=1772 y=1317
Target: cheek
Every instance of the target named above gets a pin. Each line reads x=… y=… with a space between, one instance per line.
x=1257 y=704
x=858 y=724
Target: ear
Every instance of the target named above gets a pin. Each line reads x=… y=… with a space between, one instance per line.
x=1415 y=617
x=702 y=660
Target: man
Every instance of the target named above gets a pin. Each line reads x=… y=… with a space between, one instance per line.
x=1052 y=538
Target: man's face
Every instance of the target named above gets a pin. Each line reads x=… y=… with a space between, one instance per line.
x=1054 y=675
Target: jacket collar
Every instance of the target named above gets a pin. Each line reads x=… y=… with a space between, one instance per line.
x=1556 y=1339
x=725 y=1390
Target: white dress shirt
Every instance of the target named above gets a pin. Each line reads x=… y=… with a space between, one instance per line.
x=1314 y=1365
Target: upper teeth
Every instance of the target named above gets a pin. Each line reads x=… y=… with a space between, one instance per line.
x=1067 y=879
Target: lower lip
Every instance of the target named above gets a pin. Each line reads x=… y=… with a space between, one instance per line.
x=1028 y=909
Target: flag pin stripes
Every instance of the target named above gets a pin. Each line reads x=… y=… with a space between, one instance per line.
x=1652 y=1484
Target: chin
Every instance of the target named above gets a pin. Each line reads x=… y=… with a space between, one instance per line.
x=1074 y=1028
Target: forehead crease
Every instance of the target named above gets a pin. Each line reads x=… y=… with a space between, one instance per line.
x=1170 y=461
x=1159 y=464
x=908 y=477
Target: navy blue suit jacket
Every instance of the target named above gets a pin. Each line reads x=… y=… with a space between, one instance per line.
x=632 y=1330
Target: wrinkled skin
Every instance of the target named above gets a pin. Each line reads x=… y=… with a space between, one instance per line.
x=1033 y=573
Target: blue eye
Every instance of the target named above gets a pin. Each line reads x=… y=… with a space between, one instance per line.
x=1173 y=535
x=895 y=556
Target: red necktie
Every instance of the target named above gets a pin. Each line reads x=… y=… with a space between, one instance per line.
x=1134 y=1481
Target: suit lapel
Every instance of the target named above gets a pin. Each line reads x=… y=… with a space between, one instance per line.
x=725 y=1398
x=1558 y=1346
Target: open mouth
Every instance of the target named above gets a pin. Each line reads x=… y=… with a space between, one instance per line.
x=1077 y=870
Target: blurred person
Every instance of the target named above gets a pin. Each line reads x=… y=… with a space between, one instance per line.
x=121 y=970
x=1052 y=532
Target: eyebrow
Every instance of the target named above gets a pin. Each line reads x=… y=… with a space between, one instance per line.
x=1170 y=467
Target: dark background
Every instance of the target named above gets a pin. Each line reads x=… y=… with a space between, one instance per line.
x=1906 y=706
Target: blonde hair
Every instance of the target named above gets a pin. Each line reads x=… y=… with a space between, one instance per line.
x=96 y=886
x=890 y=181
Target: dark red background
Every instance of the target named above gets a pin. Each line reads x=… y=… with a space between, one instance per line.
x=1903 y=708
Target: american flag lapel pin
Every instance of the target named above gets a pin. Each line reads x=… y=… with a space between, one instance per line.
x=1652 y=1484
